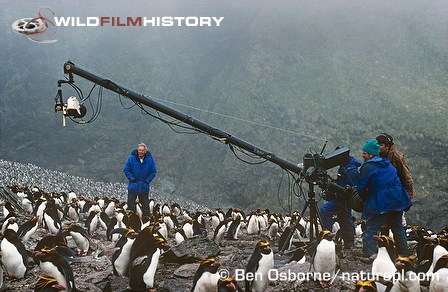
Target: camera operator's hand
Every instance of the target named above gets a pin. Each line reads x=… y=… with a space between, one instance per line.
x=328 y=196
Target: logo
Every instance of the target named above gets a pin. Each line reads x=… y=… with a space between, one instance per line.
x=173 y=21
x=43 y=27
x=39 y=29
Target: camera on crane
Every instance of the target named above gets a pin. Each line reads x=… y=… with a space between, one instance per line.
x=315 y=168
x=73 y=108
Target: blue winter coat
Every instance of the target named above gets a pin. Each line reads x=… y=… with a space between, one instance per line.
x=348 y=174
x=140 y=174
x=380 y=188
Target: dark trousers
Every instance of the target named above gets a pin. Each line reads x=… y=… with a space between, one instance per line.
x=143 y=198
x=331 y=208
x=373 y=226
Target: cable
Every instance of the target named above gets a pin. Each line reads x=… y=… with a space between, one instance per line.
x=240 y=119
x=278 y=194
x=245 y=161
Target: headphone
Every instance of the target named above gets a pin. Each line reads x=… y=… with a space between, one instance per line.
x=388 y=138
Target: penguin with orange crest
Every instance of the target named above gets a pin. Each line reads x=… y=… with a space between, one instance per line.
x=229 y=285
x=54 y=265
x=324 y=258
x=260 y=263
x=207 y=276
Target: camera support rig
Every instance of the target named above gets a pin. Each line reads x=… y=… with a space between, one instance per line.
x=314 y=170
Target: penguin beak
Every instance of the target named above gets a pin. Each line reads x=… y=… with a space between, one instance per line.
x=330 y=235
x=266 y=249
x=399 y=265
x=231 y=287
x=377 y=238
x=430 y=239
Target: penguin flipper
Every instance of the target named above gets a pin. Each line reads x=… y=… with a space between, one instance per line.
x=251 y=268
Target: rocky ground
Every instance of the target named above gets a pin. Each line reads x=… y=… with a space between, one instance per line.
x=94 y=271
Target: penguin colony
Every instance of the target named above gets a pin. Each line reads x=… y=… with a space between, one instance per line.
x=29 y=175
x=44 y=244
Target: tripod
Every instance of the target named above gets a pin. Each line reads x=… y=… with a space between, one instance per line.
x=314 y=212
x=315 y=220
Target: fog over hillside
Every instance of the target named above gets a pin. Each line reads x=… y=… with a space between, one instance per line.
x=286 y=76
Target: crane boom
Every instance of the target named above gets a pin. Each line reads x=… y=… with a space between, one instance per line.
x=70 y=68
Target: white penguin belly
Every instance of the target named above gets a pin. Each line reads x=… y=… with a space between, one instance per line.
x=81 y=242
x=148 y=276
x=27 y=235
x=122 y=261
x=207 y=282
x=51 y=224
x=12 y=260
x=325 y=259
x=53 y=271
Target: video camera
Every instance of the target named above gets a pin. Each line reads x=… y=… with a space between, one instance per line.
x=315 y=168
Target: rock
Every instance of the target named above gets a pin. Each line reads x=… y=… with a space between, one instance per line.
x=186 y=271
x=189 y=251
x=174 y=285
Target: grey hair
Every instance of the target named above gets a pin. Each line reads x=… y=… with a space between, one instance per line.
x=144 y=145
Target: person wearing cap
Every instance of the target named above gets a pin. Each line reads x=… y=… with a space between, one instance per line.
x=347 y=175
x=384 y=198
x=140 y=169
x=389 y=150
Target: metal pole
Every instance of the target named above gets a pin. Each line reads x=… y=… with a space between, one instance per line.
x=71 y=68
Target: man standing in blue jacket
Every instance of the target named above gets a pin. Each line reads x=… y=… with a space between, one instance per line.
x=384 y=197
x=347 y=175
x=140 y=169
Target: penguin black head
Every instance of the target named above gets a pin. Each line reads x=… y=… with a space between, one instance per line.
x=228 y=285
x=209 y=265
x=405 y=263
x=51 y=241
x=326 y=234
x=417 y=233
x=263 y=247
x=442 y=241
x=388 y=243
x=46 y=254
x=10 y=235
x=124 y=232
x=160 y=242
x=151 y=229
x=75 y=228
x=365 y=286
x=384 y=241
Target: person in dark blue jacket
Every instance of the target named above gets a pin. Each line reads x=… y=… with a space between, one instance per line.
x=347 y=175
x=384 y=197
x=140 y=169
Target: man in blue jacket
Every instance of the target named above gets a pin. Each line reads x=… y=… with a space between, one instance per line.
x=384 y=197
x=347 y=175
x=140 y=169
